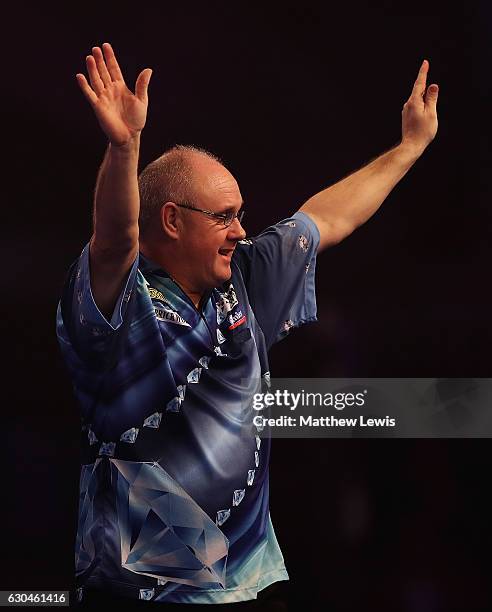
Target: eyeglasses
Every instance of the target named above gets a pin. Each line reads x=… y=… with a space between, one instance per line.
x=225 y=218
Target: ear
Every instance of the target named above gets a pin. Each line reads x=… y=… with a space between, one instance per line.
x=170 y=221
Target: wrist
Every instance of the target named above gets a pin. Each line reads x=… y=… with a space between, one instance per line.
x=409 y=151
x=128 y=147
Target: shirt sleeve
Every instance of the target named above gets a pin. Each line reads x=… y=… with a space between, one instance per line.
x=79 y=320
x=278 y=268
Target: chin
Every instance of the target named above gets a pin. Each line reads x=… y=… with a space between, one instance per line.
x=223 y=275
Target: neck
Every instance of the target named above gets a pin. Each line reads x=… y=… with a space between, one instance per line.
x=195 y=296
x=167 y=263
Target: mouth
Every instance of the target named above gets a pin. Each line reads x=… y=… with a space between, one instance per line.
x=227 y=253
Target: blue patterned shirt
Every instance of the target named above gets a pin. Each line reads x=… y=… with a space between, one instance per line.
x=174 y=495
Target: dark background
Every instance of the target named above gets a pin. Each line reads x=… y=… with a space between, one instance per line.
x=293 y=100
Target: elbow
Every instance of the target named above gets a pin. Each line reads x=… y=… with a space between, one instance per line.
x=333 y=232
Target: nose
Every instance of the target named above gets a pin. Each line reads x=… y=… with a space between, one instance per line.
x=236 y=231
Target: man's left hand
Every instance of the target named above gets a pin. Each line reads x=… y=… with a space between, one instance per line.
x=419 y=115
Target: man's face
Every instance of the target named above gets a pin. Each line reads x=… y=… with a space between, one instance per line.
x=207 y=245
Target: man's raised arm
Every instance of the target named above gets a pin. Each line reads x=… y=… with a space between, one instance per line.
x=340 y=209
x=121 y=115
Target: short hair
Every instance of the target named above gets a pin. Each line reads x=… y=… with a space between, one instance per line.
x=169 y=178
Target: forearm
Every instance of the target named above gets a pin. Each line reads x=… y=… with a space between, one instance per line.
x=116 y=198
x=344 y=206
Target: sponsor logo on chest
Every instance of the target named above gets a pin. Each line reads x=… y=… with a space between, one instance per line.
x=155 y=294
x=169 y=316
x=236 y=319
x=163 y=309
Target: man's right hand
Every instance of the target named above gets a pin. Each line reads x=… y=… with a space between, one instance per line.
x=120 y=113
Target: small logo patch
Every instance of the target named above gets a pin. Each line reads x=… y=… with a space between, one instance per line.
x=303 y=243
x=155 y=294
x=170 y=316
x=236 y=319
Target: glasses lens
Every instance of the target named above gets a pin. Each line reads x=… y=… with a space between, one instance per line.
x=230 y=216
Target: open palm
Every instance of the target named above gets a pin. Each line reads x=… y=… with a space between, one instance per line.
x=120 y=113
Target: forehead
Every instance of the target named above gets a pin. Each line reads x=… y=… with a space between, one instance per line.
x=215 y=186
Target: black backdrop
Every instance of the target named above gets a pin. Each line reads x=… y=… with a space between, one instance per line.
x=292 y=99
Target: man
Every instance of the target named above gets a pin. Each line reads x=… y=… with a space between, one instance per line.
x=165 y=323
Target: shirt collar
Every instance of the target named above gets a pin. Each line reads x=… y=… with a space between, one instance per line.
x=148 y=266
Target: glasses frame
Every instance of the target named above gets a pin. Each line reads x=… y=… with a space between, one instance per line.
x=225 y=218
